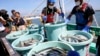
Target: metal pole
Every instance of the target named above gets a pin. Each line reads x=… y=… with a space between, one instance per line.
x=63 y=8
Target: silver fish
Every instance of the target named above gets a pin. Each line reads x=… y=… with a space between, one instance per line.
x=75 y=38
x=27 y=42
x=51 y=52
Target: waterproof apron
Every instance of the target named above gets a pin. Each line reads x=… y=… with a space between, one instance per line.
x=81 y=21
x=50 y=18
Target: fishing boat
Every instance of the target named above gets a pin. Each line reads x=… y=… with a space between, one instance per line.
x=36 y=19
x=94 y=30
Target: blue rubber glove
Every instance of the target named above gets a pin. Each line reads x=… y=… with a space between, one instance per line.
x=44 y=18
x=72 y=53
x=86 y=29
x=62 y=14
x=67 y=20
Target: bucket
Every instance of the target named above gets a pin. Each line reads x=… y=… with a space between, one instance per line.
x=35 y=29
x=15 y=35
x=49 y=44
x=25 y=49
x=82 y=47
x=53 y=30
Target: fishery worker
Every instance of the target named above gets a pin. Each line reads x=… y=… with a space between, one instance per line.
x=8 y=20
x=49 y=12
x=13 y=17
x=13 y=14
x=84 y=15
x=2 y=28
x=19 y=22
x=3 y=33
x=6 y=17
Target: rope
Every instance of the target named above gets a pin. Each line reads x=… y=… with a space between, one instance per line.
x=62 y=9
x=95 y=21
x=37 y=7
x=60 y=6
x=94 y=17
x=61 y=12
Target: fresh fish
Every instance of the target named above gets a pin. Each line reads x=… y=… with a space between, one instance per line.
x=82 y=38
x=27 y=42
x=75 y=38
x=69 y=39
x=51 y=52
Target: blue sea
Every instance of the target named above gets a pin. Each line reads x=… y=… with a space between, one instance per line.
x=97 y=15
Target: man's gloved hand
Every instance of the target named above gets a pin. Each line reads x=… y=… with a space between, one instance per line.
x=73 y=53
x=86 y=29
x=67 y=20
x=62 y=14
x=44 y=18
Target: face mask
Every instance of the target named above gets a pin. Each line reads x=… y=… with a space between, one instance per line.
x=51 y=7
x=77 y=3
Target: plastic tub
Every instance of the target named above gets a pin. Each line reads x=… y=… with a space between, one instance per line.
x=15 y=35
x=35 y=29
x=23 y=50
x=53 y=30
x=48 y=45
x=81 y=47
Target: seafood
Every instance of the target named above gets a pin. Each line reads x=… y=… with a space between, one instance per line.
x=27 y=42
x=18 y=34
x=51 y=52
x=74 y=38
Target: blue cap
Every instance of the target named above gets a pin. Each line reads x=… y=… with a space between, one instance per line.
x=51 y=1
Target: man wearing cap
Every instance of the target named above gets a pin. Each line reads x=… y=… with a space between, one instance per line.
x=49 y=11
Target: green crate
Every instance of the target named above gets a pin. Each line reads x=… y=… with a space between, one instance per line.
x=93 y=48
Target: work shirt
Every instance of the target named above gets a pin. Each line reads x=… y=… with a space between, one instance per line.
x=21 y=22
x=82 y=17
x=49 y=13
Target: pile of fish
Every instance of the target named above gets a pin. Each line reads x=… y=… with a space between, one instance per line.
x=18 y=34
x=27 y=42
x=74 y=38
x=51 y=52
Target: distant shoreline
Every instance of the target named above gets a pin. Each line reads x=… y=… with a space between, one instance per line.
x=97 y=10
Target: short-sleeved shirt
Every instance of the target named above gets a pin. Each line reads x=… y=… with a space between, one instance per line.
x=13 y=17
x=88 y=12
x=21 y=22
x=47 y=11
